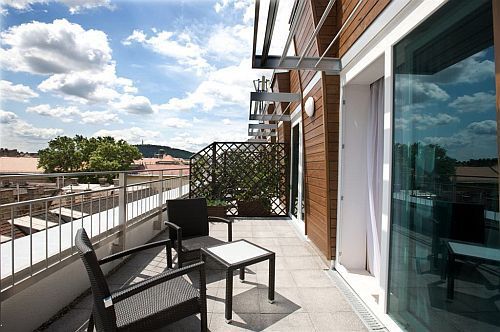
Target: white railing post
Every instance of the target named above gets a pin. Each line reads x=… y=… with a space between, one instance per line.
x=181 y=181
x=158 y=222
x=122 y=208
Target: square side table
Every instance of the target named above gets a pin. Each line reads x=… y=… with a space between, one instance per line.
x=237 y=255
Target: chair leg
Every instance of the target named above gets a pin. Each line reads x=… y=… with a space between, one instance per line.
x=204 y=324
x=90 y=325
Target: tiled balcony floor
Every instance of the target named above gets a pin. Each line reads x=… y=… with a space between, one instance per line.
x=306 y=299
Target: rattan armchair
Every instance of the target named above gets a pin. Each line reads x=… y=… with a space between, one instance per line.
x=146 y=305
x=188 y=227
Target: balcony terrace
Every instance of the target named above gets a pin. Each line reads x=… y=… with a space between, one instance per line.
x=307 y=297
x=42 y=259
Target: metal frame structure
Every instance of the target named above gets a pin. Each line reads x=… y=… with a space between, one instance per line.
x=286 y=62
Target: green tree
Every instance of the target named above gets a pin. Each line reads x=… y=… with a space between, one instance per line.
x=82 y=154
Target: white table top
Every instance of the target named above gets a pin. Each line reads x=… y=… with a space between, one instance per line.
x=471 y=250
x=235 y=252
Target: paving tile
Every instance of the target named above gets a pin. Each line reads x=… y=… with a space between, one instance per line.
x=302 y=263
x=264 y=241
x=240 y=322
x=286 y=322
x=306 y=299
x=311 y=278
x=70 y=322
x=296 y=250
x=319 y=300
x=337 y=321
x=282 y=278
x=290 y=241
x=286 y=301
x=245 y=301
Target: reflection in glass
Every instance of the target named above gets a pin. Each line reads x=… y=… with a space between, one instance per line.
x=444 y=261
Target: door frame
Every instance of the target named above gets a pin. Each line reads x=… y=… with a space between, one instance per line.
x=296 y=120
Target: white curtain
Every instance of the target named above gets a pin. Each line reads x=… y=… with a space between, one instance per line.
x=374 y=172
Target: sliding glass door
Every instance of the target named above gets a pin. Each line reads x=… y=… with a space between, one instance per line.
x=444 y=261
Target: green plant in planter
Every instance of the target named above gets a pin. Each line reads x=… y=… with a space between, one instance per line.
x=216 y=202
x=216 y=207
x=259 y=187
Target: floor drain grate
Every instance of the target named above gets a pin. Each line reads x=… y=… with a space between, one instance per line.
x=364 y=313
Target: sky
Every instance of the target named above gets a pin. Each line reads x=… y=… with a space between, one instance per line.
x=453 y=108
x=175 y=73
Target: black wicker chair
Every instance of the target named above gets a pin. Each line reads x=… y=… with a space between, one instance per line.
x=146 y=305
x=188 y=227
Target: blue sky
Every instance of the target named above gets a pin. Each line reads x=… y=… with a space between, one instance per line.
x=165 y=72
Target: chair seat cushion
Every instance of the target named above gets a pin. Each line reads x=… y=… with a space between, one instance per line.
x=197 y=243
x=157 y=306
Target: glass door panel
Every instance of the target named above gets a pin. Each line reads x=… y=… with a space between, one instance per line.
x=445 y=211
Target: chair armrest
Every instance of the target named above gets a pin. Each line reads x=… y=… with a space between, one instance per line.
x=166 y=243
x=178 y=231
x=158 y=279
x=219 y=219
x=226 y=221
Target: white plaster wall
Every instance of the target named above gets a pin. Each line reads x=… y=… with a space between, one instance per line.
x=35 y=305
x=354 y=183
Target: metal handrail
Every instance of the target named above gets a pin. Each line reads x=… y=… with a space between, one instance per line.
x=105 y=216
x=53 y=175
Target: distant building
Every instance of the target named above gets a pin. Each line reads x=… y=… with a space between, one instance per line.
x=166 y=162
x=19 y=165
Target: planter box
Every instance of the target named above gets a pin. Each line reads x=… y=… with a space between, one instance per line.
x=217 y=211
x=252 y=209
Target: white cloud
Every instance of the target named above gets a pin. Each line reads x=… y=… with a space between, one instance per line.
x=227 y=86
x=471 y=70
x=176 y=123
x=17 y=92
x=424 y=121
x=71 y=113
x=14 y=127
x=179 y=46
x=486 y=127
x=78 y=62
x=246 y=6
x=65 y=114
x=101 y=118
x=421 y=91
x=7 y=117
x=477 y=140
x=132 y=135
x=227 y=122
x=230 y=43
x=478 y=102
x=88 y=87
x=134 y=104
x=54 y=48
x=74 y=6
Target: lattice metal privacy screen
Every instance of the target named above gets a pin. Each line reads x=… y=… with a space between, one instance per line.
x=251 y=178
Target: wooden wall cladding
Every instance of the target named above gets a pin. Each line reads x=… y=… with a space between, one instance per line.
x=315 y=175
x=363 y=18
x=332 y=106
x=321 y=132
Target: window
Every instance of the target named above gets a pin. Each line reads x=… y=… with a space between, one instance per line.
x=444 y=253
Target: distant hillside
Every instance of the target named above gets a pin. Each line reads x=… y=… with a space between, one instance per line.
x=148 y=151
